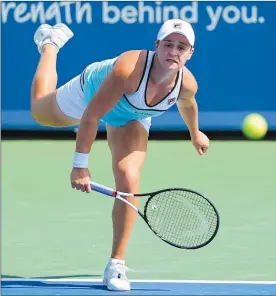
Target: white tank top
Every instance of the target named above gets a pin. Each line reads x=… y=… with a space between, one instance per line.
x=130 y=106
x=138 y=99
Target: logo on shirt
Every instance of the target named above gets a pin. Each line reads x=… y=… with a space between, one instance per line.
x=171 y=101
x=143 y=113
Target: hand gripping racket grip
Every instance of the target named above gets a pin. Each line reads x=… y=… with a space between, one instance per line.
x=103 y=189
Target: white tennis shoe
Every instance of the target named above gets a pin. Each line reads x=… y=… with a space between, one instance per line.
x=57 y=35
x=115 y=277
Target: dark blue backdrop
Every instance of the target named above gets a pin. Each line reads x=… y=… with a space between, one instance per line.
x=234 y=60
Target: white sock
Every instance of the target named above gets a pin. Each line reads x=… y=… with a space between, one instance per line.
x=48 y=41
x=113 y=261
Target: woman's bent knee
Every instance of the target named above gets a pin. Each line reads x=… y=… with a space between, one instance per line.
x=127 y=180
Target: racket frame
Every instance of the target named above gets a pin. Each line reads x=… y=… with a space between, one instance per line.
x=120 y=195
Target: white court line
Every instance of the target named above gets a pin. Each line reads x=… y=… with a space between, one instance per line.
x=141 y=281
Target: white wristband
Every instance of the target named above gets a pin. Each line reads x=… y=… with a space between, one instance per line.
x=80 y=160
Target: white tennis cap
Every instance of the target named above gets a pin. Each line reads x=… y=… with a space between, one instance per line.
x=177 y=26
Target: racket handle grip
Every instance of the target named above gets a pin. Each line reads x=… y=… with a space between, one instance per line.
x=103 y=189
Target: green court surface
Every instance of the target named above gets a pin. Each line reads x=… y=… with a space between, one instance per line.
x=50 y=230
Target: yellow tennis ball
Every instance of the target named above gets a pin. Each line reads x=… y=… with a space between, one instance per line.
x=254 y=126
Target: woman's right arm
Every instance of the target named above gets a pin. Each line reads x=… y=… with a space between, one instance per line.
x=120 y=80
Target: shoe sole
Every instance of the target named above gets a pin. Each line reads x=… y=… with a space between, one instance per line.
x=112 y=288
x=65 y=29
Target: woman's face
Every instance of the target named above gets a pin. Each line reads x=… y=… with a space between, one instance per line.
x=173 y=51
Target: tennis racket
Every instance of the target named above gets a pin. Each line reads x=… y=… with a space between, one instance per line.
x=181 y=217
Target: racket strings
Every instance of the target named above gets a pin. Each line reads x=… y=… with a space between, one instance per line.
x=182 y=218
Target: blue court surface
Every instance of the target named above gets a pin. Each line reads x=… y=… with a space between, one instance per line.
x=30 y=287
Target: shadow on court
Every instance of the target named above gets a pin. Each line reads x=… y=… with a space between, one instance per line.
x=37 y=284
x=34 y=287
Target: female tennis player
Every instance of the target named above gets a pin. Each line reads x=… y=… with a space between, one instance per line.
x=124 y=92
